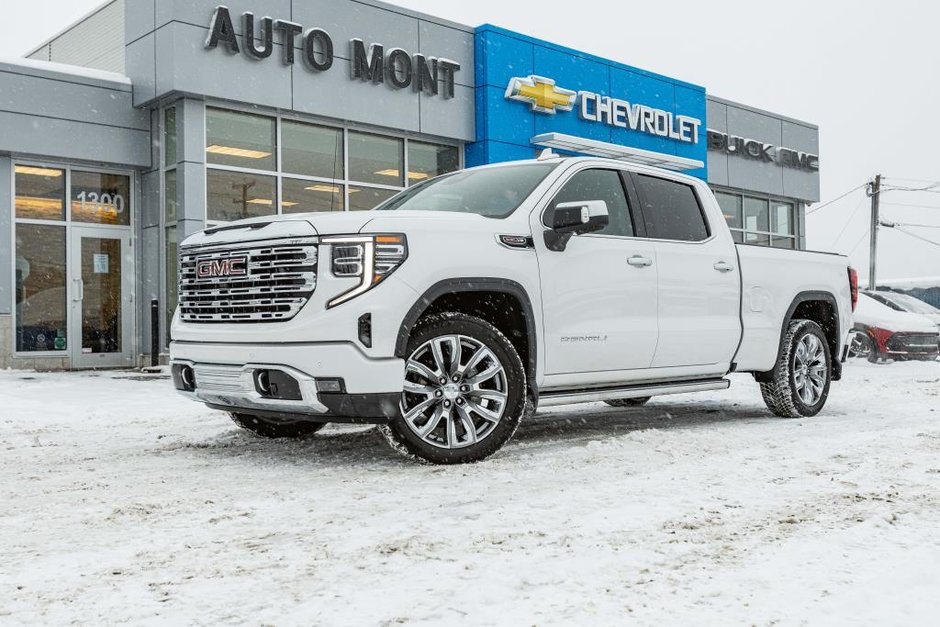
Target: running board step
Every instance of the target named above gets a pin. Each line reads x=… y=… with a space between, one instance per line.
x=567 y=397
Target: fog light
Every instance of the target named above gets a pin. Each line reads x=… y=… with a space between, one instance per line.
x=263 y=383
x=183 y=377
x=331 y=386
x=365 y=330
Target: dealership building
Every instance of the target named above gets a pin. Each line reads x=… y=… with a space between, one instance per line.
x=149 y=120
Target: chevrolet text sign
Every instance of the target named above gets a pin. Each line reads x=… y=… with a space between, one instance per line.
x=544 y=96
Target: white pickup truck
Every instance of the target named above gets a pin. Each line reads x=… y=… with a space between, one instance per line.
x=456 y=308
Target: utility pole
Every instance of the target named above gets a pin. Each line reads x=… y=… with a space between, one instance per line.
x=874 y=191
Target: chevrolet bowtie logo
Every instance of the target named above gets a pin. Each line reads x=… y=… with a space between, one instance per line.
x=541 y=93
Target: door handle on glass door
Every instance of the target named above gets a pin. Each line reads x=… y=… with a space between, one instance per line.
x=639 y=262
x=78 y=294
x=723 y=266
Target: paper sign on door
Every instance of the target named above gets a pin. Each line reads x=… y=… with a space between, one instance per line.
x=101 y=264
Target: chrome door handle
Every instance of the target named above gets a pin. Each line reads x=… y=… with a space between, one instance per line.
x=639 y=262
x=723 y=266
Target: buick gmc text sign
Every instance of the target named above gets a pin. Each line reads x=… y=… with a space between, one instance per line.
x=761 y=151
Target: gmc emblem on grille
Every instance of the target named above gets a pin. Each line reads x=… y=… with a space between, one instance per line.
x=234 y=266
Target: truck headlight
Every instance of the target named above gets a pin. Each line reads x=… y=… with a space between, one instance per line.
x=369 y=258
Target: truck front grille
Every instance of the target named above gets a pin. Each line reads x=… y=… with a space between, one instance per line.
x=913 y=343
x=253 y=282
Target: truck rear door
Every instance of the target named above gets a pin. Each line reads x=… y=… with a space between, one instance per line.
x=698 y=275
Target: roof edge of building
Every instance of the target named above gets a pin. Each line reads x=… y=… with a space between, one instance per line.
x=61 y=70
x=757 y=110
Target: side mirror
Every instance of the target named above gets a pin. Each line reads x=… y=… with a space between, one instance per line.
x=575 y=218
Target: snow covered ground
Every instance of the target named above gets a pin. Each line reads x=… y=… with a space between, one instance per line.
x=122 y=502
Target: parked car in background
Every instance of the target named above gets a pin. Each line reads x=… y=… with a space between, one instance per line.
x=908 y=303
x=882 y=332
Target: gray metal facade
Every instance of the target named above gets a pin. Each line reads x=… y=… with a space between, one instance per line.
x=96 y=41
x=737 y=172
x=166 y=56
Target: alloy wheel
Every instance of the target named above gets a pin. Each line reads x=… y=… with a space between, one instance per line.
x=455 y=391
x=809 y=369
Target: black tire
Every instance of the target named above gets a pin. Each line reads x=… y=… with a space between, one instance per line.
x=861 y=346
x=404 y=438
x=629 y=402
x=781 y=391
x=275 y=429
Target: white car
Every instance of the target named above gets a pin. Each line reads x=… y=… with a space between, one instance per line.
x=884 y=332
x=457 y=307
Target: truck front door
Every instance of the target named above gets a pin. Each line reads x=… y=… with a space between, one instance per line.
x=600 y=293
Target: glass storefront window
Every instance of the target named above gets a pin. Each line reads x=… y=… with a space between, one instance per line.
x=169 y=196
x=241 y=140
x=311 y=150
x=429 y=160
x=365 y=198
x=101 y=198
x=782 y=217
x=40 y=193
x=376 y=159
x=169 y=137
x=40 y=270
x=731 y=208
x=756 y=214
x=235 y=195
x=302 y=196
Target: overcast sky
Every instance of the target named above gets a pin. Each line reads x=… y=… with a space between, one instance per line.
x=865 y=72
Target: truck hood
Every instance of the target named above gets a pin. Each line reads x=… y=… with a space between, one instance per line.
x=338 y=223
x=873 y=314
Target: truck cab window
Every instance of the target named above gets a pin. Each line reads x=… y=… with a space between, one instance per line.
x=597 y=184
x=671 y=210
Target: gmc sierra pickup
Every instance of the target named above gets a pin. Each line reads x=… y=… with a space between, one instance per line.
x=459 y=306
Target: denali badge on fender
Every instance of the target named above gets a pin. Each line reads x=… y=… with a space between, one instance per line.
x=233 y=266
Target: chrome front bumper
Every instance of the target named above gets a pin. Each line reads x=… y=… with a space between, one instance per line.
x=234 y=386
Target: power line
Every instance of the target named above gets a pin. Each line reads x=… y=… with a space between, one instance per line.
x=904 y=204
x=826 y=204
x=916 y=236
x=847 y=222
x=860 y=240
x=919 y=226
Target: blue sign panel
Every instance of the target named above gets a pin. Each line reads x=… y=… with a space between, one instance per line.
x=527 y=87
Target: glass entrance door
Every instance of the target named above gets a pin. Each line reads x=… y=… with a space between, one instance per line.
x=101 y=298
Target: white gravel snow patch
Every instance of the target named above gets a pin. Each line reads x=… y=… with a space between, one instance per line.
x=123 y=502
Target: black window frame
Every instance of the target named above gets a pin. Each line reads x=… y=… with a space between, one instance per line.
x=639 y=226
x=634 y=183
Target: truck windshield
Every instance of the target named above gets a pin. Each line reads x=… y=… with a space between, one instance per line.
x=489 y=192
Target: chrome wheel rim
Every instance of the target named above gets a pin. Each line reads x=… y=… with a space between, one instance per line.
x=455 y=392
x=809 y=369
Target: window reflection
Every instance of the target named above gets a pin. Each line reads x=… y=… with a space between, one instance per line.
x=234 y=196
x=312 y=150
x=376 y=159
x=240 y=139
x=40 y=288
x=429 y=160
x=366 y=198
x=303 y=196
x=40 y=193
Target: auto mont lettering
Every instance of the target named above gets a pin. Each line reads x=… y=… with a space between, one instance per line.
x=374 y=64
x=545 y=96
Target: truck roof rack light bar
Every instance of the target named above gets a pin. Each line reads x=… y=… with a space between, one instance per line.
x=615 y=151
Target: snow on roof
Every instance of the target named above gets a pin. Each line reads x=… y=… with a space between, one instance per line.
x=923 y=283
x=62 y=68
